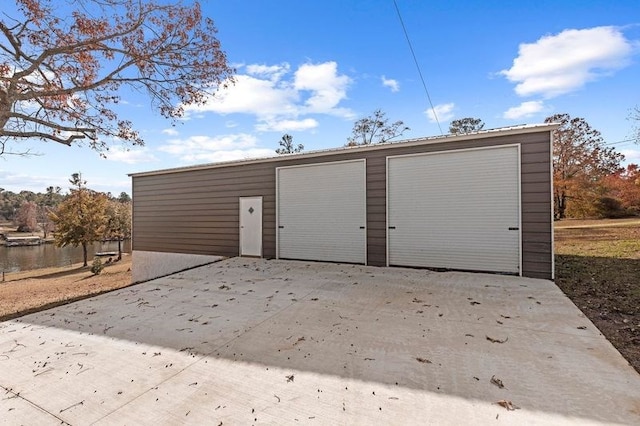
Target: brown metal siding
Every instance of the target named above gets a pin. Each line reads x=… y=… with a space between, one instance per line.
x=196 y=211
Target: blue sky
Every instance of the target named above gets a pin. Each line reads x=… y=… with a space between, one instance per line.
x=311 y=68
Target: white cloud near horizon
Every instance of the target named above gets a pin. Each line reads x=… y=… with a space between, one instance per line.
x=391 y=84
x=16 y=182
x=130 y=155
x=197 y=149
x=525 y=109
x=444 y=112
x=279 y=98
x=287 y=125
x=562 y=63
x=631 y=156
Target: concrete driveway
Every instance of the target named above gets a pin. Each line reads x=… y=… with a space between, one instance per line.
x=251 y=341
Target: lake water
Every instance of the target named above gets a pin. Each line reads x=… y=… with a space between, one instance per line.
x=14 y=259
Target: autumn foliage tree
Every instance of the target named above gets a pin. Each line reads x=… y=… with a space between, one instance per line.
x=81 y=218
x=26 y=218
x=63 y=64
x=581 y=160
x=624 y=186
x=375 y=129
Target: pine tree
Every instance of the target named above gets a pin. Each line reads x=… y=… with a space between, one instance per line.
x=81 y=218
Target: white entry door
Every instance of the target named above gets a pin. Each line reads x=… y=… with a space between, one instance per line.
x=251 y=226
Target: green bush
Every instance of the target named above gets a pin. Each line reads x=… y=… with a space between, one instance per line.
x=97 y=266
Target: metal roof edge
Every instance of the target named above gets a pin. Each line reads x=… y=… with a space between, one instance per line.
x=482 y=134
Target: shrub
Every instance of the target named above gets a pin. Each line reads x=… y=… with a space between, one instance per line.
x=609 y=208
x=97 y=266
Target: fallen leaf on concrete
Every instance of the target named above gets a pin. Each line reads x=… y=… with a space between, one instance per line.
x=510 y=406
x=416 y=300
x=423 y=360
x=494 y=380
x=473 y=302
x=505 y=316
x=492 y=340
x=290 y=378
x=224 y=287
x=582 y=327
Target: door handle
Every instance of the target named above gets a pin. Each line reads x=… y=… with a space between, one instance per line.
x=392 y=227
x=514 y=228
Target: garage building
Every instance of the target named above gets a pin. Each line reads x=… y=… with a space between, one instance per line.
x=477 y=202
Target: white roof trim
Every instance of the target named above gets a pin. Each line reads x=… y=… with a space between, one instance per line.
x=482 y=134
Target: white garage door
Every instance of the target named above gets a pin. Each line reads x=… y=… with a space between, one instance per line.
x=456 y=210
x=321 y=212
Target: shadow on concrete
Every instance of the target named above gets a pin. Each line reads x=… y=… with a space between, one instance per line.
x=445 y=333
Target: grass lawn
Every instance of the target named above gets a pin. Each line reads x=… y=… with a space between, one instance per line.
x=598 y=267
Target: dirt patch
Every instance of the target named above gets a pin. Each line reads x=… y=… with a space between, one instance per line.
x=32 y=291
x=598 y=268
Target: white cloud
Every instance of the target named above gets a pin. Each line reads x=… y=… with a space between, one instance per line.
x=272 y=72
x=631 y=156
x=215 y=148
x=562 y=63
x=391 y=83
x=525 y=109
x=15 y=182
x=443 y=111
x=273 y=94
x=170 y=132
x=231 y=155
x=287 y=125
x=327 y=87
x=250 y=95
x=130 y=155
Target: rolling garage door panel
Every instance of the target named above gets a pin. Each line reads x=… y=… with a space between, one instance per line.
x=455 y=210
x=321 y=212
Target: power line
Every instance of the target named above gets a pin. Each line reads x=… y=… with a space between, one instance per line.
x=624 y=142
x=415 y=60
